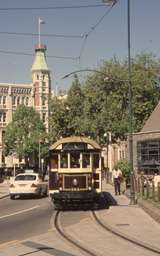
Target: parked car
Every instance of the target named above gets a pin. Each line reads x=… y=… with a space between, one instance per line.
x=28 y=183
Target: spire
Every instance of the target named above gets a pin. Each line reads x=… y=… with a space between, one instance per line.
x=40 y=59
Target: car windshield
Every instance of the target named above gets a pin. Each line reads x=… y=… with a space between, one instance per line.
x=25 y=177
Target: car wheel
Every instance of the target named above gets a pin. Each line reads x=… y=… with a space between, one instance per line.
x=12 y=197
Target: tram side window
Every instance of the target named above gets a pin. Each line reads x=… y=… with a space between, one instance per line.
x=54 y=162
x=85 y=160
x=95 y=161
x=75 y=160
x=64 y=161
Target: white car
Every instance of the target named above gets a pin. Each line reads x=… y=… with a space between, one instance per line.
x=28 y=184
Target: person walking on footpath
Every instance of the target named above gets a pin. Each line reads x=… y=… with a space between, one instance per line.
x=117 y=174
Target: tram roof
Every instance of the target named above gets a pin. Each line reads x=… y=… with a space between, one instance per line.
x=76 y=139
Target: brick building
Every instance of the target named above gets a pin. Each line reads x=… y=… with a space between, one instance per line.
x=35 y=94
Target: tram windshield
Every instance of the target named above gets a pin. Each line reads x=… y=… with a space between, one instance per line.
x=85 y=160
x=64 y=160
x=75 y=160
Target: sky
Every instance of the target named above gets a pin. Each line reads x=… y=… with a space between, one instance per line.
x=107 y=37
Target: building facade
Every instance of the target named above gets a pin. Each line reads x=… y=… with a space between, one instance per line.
x=35 y=95
x=146 y=145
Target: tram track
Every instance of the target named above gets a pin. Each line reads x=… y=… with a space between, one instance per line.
x=70 y=239
x=125 y=237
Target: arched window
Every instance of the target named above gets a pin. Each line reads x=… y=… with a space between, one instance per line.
x=43 y=101
x=27 y=100
x=44 y=117
x=14 y=100
x=4 y=100
x=4 y=117
x=18 y=100
x=23 y=98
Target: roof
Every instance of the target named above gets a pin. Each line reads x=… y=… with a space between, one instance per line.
x=40 y=61
x=153 y=122
x=78 y=139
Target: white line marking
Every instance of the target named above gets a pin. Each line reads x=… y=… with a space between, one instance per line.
x=19 y=212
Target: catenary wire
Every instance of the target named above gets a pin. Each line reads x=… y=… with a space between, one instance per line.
x=45 y=35
x=50 y=7
x=87 y=34
x=29 y=54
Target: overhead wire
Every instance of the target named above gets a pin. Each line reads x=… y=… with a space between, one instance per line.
x=36 y=34
x=83 y=36
x=30 y=54
x=87 y=34
x=50 y=7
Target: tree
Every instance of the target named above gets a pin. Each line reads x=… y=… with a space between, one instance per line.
x=58 y=120
x=106 y=101
x=123 y=165
x=75 y=104
x=23 y=134
x=101 y=105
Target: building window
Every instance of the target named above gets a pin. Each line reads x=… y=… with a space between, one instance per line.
x=4 y=117
x=14 y=100
x=18 y=100
x=43 y=101
x=23 y=98
x=4 y=100
x=1 y=114
x=0 y=99
x=148 y=155
x=27 y=100
x=3 y=135
x=44 y=117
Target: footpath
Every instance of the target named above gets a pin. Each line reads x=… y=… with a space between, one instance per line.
x=131 y=220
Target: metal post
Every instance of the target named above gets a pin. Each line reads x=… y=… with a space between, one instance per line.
x=39 y=32
x=130 y=126
x=39 y=155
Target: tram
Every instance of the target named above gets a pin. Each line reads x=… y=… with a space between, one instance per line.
x=74 y=171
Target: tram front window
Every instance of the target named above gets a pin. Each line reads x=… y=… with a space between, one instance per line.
x=85 y=160
x=75 y=160
x=64 y=160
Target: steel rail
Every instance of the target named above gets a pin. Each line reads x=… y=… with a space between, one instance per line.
x=126 y=237
x=68 y=238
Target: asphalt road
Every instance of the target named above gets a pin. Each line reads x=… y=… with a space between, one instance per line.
x=23 y=218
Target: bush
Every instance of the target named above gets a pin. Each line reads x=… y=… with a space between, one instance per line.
x=123 y=165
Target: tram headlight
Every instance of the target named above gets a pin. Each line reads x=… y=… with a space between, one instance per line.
x=75 y=182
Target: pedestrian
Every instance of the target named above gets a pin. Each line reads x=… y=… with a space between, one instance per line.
x=117 y=176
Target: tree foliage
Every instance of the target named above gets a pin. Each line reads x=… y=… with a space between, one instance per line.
x=101 y=103
x=24 y=132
